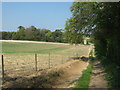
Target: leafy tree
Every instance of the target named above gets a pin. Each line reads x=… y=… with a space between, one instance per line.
x=21 y=33
x=48 y=36
x=32 y=33
x=81 y=22
x=102 y=21
x=57 y=35
x=6 y=35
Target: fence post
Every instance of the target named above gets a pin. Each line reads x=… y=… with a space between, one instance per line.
x=49 y=60
x=35 y=61
x=2 y=68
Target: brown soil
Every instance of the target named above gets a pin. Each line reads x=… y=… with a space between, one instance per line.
x=98 y=76
x=61 y=76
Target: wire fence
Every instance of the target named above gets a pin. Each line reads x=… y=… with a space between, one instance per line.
x=18 y=65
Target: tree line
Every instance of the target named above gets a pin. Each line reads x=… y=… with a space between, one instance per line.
x=100 y=20
x=34 y=34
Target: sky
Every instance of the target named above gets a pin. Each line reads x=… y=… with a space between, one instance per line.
x=47 y=15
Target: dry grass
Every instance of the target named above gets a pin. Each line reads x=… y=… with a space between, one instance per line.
x=19 y=58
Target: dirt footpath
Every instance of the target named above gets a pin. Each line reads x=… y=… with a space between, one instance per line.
x=98 y=76
x=71 y=74
x=61 y=76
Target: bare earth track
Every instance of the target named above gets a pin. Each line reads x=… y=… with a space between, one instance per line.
x=98 y=76
x=61 y=76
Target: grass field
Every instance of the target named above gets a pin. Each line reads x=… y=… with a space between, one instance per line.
x=17 y=47
x=19 y=57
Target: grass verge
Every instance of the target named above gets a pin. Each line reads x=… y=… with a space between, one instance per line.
x=84 y=80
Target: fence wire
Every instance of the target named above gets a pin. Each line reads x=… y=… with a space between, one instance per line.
x=18 y=65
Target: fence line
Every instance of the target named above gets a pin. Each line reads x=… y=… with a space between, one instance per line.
x=23 y=63
x=2 y=68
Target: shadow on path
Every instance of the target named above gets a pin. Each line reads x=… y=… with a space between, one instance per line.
x=98 y=76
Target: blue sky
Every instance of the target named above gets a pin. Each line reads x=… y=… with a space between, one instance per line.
x=49 y=15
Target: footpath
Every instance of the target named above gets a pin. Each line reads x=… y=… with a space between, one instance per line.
x=98 y=76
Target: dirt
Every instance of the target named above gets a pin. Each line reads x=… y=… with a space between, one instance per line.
x=61 y=76
x=98 y=76
x=32 y=42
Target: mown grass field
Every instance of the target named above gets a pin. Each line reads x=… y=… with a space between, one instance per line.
x=17 y=47
x=19 y=57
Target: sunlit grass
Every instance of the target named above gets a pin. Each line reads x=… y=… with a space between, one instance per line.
x=17 y=47
x=85 y=78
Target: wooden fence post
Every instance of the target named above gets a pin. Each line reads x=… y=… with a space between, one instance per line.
x=49 y=60
x=2 y=68
x=35 y=61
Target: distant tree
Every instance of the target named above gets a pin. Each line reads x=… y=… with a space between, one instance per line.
x=21 y=33
x=48 y=36
x=32 y=33
x=6 y=35
x=58 y=35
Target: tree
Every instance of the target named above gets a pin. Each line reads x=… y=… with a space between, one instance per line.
x=81 y=22
x=58 y=35
x=30 y=33
x=21 y=33
x=102 y=21
x=7 y=35
x=48 y=36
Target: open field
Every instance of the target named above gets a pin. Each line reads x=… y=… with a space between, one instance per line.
x=19 y=57
x=43 y=48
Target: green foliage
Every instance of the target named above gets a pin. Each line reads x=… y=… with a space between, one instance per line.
x=101 y=21
x=81 y=23
x=6 y=35
x=107 y=40
x=91 y=57
x=34 y=34
x=85 y=78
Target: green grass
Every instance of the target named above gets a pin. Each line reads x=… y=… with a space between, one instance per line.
x=41 y=48
x=29 y=47
x=85 y=78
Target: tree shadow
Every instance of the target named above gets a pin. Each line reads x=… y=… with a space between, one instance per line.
x=98 y=73
x=44 y=80
x=83 y=58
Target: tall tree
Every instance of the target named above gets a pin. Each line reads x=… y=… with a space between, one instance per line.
x=21 y=32
x=81 y=22
x=101 y=20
